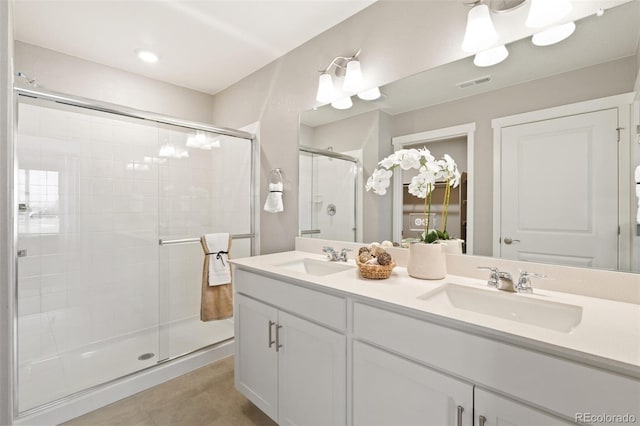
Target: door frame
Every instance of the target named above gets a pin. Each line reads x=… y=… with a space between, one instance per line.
x=623 y=103
x=429 y=136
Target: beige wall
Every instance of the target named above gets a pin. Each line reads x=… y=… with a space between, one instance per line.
x=67 y=74
x=6 y=206
x=587 y=83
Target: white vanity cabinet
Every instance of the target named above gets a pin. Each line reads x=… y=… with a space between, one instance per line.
x=495 y=410
x=391 y=390
x=292 y=368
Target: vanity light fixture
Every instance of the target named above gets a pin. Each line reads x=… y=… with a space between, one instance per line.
x=490 y=57
x=480 y=33
x=147 y=56
x=554 y=34
x=544 y=13
x=349 y=68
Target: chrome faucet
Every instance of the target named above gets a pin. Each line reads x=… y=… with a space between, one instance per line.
x=504 y=281
x=524 y=282
x=334 y=256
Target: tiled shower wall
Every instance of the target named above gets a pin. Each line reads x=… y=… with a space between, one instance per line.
x=98 y=195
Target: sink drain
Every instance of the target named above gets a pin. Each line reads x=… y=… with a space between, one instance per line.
x=146 y=356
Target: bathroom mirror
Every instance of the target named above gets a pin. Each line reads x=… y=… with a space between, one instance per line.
x=599 y=60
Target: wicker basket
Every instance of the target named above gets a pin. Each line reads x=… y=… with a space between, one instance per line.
x=375 y=272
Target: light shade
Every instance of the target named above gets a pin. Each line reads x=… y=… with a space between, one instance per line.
x=325 y=89
x=344 y=103
x=353 y=81
x=490 y=57
x=480 y=33
x=543 y=13
x=370 y=94
x=554 y=34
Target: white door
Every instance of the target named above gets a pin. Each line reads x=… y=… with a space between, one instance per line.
x=312 y=374
x=256 y=357
x=389 y=390
x=559 y=191
x=494 y=410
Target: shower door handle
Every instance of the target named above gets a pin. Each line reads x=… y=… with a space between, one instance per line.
x=271 y=341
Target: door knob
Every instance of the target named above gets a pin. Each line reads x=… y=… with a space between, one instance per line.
x=510 y=241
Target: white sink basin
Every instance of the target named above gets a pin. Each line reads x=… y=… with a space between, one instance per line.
x=515 y=307
x=315 y=267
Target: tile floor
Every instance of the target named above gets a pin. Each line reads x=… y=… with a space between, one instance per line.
x=203 y=397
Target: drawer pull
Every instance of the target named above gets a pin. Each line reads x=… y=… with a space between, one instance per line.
x=271 y=341
x=482 y=420
x=459 y=411
x=278 y=345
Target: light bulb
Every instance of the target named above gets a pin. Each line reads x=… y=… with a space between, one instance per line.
x=554 y=34
x=480 y=33
x=325 y=89
x=147 y=56
x=490 y=57
x=353 y=81
x=370 y=94
x=543 y=13
x=344 y=103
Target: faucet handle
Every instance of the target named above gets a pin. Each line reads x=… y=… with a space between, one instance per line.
x=524 y=282
x=493 y=277
x=330 y=252
x=343 y=254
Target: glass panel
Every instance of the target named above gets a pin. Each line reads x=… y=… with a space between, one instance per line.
x=205 y=187
x=305 y=202
x=87 y=218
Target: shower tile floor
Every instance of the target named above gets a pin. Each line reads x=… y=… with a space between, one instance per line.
x=48 y=375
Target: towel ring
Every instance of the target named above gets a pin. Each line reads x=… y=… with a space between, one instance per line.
x=275 y=176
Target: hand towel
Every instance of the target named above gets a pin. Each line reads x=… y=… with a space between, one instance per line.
x=274 y=199
x=217 y=294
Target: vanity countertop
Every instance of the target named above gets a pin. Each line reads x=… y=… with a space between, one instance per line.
x=608 y=335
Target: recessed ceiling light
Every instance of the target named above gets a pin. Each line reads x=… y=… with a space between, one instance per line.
x=147 y=56
x=600 y=12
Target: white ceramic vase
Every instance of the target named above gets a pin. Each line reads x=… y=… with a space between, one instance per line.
x=427 y=261
x=453 y=246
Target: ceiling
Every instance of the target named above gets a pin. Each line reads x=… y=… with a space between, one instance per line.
x=204 y=45
x=596 y=40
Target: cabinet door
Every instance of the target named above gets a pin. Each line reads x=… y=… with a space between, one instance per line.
x=498 y=411
x=312 y=373
x=389 y=390
x=256 y=362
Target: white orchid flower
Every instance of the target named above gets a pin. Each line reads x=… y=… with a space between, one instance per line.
x=426 y=156
x=379 y=181
x=410 y=160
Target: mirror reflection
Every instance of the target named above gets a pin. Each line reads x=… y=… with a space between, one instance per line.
x=560 y=198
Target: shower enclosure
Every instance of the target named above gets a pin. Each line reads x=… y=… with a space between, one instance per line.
x=328 y=195
x=111 y=205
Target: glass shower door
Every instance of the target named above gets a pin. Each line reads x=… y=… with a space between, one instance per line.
x=205 y=187
x=327 y=203
x=87 y=216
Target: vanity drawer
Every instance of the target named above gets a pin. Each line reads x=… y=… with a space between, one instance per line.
x=558 y=385
x=314 y=305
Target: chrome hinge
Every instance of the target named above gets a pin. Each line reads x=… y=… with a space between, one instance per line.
x=618 y=130
x=618 y=229
x=22 y=253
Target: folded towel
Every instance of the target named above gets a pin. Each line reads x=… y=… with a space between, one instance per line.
x=217 y=294
x=218 y=254
x=274 y=199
